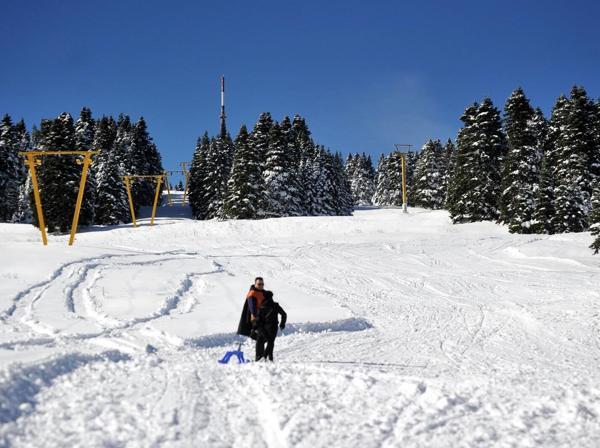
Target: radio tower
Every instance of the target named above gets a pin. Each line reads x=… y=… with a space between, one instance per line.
x=223 y=127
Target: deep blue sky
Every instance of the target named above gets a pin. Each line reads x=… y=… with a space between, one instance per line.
x=366 y=75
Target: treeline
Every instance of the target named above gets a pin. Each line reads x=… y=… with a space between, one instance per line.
x=533 y=174
x=427 y=176
x=124 y=148
x=274 y=170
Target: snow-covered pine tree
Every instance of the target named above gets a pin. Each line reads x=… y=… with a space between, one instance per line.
x=10 y=169
x=428 y=177
x=574 y=146
x=313 y=180
x=411 y=158
x=245 y=198
x=24 y=213
x=492 y=151
x=595 y=218
x=111 y=196
x=219 y=160
x=124 y=131
x=144 y=159
x=197 y=187
x=259 y=138
x=344 y=203
x=360 y=174
x=521 y=170
x=482 y=148
x=448 y=163
x=545 y=217
x=462 y=183
x=280 y=192
x=595 y=157
x=293 y=155
x=310 y=166
x=24 y=144
x=325 y=183
x=84 y=138
x=351 y=168
x=381 y=196
x=59 y=176
x=394 y=169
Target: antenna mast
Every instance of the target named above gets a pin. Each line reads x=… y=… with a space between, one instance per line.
x=223 y=127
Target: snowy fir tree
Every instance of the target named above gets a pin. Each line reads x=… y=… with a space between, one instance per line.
x=594 y=217
x=574 y=147
x=58 y=176
x=245 y=198
x=545 y=217
x=23 y=211
x=259 y=138
x=325 y=191
x=342 y=192
x=197 y=173
x=293 y=156
x=111 y=206
x=84 y=138
x=428 y=177
x=411 y=159
x=219 y=163
x=361 y=175
x=521 y=170
x=209 y=174
x=281 y=195
x=475 y=187
x=144 y=159
x=448 y=163
x=381 y=196
x=388 y=189
x=12 y=174
x=307 y=154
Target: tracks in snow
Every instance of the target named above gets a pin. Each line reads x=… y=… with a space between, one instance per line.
x=70 y=305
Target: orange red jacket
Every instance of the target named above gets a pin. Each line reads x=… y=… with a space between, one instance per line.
x=255 y=299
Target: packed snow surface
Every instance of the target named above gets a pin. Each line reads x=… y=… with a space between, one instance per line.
x=404 y=330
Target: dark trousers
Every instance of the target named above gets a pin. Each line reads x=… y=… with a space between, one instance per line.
x=261 y=352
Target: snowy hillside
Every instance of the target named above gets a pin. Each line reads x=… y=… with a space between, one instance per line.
x=404 y=330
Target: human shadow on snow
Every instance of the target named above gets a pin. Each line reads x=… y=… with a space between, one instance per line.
x=344 y=325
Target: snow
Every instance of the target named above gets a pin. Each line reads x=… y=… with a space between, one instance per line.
x=404 y=330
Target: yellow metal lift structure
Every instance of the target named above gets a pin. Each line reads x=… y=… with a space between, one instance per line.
x=403 y=156
x=127 y=179
x=33 y=159
x=186 y=172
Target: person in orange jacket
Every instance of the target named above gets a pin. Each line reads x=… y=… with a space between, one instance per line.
x=252 y=304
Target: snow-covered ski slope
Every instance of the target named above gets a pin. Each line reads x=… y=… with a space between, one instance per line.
x=403 y=331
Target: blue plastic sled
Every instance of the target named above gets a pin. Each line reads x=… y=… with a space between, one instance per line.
x=238 y=353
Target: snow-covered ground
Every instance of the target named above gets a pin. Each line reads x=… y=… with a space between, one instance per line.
x=403 y=331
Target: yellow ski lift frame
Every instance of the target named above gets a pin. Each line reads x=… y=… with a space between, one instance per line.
x=127 y=179
x=33 y=159
x=183 y=171
x=403 y=156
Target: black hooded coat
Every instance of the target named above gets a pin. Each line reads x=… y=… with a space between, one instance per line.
x=245 y=325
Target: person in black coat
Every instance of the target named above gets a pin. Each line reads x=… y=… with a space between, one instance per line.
x=266 y=325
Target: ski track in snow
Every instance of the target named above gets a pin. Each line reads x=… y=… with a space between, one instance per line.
x=446 y=336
